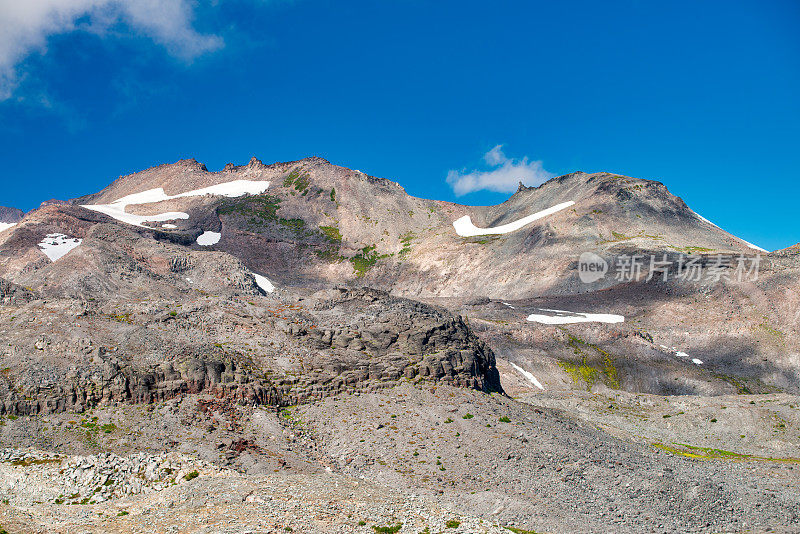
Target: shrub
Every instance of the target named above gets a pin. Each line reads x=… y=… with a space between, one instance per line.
x=394 y=529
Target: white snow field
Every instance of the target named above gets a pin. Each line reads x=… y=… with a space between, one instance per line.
x=208 y=238
x=264 y=283
x=754 y=247
x=465 y=228
x=169 y=226
x=695 y=361
x=55 y=246
x=116 y=209
x=6 y=226
x=527 y=375
x=568 y=317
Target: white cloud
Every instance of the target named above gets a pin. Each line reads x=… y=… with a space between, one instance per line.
x=26 y=25
x=503 y=178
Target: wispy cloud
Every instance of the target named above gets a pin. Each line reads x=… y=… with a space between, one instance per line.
x=504 y=174
x=26 y=26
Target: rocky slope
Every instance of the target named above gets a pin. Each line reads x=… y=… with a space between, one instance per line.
x=306 y=318
x=309 y=225
x=10 y=215
x=412 y=456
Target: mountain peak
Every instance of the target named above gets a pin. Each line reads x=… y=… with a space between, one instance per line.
x=192 y=163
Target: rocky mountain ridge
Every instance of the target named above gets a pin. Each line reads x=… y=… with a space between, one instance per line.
x=305 y=318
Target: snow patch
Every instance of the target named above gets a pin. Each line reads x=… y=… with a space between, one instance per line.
x=695 y=361
x=527 y=375
x=754 y=247
x=6 y=226
x=55 y=246
x=169 y=226
x=117 y=211
x=567 y=317
x=264 y=283
x=208 y=238
x=117 y=208
x=704 y=219
x=465 y=228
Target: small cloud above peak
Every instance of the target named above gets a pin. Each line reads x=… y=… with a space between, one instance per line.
x=504 y=176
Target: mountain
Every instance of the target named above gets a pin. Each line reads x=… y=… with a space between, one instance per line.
x=10 y=215
x=301 y=314
x=320 y=224
x=308 y=226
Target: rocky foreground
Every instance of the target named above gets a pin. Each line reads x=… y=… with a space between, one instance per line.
x=409 y=455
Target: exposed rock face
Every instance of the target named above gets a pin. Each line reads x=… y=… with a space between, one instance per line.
x=362 y=341
x=136 y=323
x=378 y=337
x=10 y=215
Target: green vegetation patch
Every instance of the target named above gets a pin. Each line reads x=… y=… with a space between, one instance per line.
x=122 y=318
x=406 y=240
x=706 y=453
x=299 y=180
x=692 y=250
x=262 y=210
x=516 y=530
x=38 y=461
x=616 y=237
x=257 y=209
x=332 y=233
x=394 y=529
x=483 y=240
x=586 y=373
x=741 y=387
x=366 y=260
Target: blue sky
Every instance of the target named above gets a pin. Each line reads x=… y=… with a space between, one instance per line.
x=702 y=96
